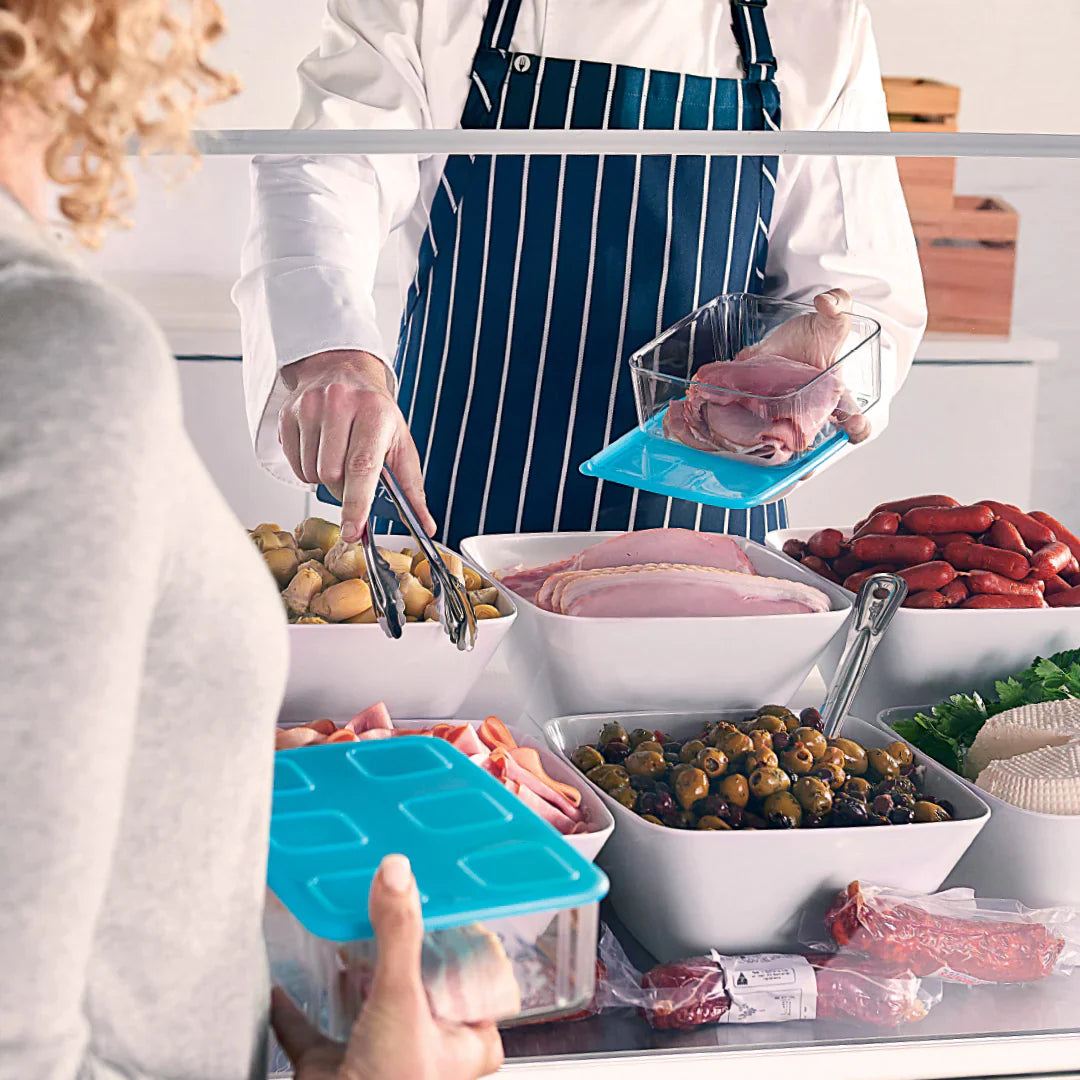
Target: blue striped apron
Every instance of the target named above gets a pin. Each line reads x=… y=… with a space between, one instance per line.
x=540 y=274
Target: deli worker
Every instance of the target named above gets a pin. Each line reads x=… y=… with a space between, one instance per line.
x=527 y=282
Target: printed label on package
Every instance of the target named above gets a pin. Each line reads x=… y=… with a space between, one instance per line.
x=768 y=988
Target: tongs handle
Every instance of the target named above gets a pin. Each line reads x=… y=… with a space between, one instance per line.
x=456 y=613
x=878 y=601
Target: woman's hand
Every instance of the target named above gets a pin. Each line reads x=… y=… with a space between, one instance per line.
x=813 y=339
x=339 y=424
x=396 y=1036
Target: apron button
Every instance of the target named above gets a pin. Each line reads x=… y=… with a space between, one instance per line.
x=522 y=63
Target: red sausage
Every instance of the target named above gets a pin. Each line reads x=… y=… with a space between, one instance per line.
x=928 y=599
x=986 y=602
x=1053 y=584
x=854 y=582
x=826 y=543
x=794 y=549
x=1070 y=579
x=927 y=520
x=980 y=557
x=902 y=506
x=1068 y=598
x=884 y=523
x=905 y=550
x=928 y=576
x=955 y=592
x=1035 y=533
x=1073 y=567
x=1005 y=535
x=846 y=565
x=820 y=567
x=1051 y=559
x=989 y=584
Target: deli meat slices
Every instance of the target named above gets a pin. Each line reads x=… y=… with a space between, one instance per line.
x=671 y=590
x=635 y=549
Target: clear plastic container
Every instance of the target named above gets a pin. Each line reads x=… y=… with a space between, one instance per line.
x=510 y=909
x=768 y=409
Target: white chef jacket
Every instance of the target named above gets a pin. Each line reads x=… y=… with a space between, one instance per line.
x=319 y=224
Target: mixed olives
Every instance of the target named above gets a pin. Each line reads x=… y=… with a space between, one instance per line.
x=773 y=770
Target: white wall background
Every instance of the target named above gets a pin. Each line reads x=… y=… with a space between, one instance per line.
x=1015 y=64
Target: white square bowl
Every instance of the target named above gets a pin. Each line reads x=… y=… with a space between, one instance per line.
x=1021 y=854
x=682 y=893
x=594 y=665
x=928 y=655
x=338 y=669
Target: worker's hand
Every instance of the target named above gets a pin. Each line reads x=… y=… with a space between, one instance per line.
x=812 y=338
x=339 y=424
x=396 y=1037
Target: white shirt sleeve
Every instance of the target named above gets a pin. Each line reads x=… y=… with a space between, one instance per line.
x=319 y=223
x=842 y=221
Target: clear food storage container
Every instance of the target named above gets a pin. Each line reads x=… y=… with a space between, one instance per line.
x=730 y=415
x=510 y=909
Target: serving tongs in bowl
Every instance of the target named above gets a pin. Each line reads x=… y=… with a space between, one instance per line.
x=451 y=600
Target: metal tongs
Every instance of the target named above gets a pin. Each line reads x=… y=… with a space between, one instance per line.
x=878 y=601
x=451 y=600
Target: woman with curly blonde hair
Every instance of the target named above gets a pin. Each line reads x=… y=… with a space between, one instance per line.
x=143 y=642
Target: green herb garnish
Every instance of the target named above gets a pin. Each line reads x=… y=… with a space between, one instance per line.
x=946 y=733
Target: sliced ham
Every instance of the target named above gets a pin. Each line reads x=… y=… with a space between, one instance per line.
x=375 y=716
x=525 y=581
x=493 y=732
x=465 y=739
x=528 y=758
x=666 y=590
x=541 y=807
x=292 y=738
x=513 y=771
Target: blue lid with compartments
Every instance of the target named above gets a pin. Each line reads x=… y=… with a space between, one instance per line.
x=643 y=458
x=477 y=851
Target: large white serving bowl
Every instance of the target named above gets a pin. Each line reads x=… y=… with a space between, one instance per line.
x=339 y=669
x=928 y=655
x=682 y=893
x=1020 y=855
x=593 y=665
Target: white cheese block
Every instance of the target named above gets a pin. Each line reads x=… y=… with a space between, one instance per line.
x=1045 y=780
x=1029 y=727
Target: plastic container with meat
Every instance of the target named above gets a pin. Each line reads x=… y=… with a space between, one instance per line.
x=953 y=936
x=510 y=908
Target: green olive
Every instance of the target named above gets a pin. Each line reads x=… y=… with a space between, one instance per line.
x=771 y=724
x=652 y=819
x=607 y=777
x=782 y=811
x=854 y=755
x=768 y=781
x=690 y=750
x=736 y=789
x=640 y=735
x=798 y=760
x=814 y=796
x=813 y=740
x=587 y=758
x=735 y=744
x=650 y=744
x=902 y=753
x=626 y=795
x=883 y=763
x=857 y=787
x=711 y=822
x=834 y=756
x=713 y=732
x=762 y=740
x=645 y=763
x=712 y=762
x=928 y=811
x=779 y=711
x=830 y=774
x=685 y=820
x=761 y=759
x=614 y=732
x=691 y=784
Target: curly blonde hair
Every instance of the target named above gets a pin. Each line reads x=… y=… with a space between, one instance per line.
x=101 y=72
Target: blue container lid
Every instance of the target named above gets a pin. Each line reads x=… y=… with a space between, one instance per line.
x=477 y=851
x=645 y=459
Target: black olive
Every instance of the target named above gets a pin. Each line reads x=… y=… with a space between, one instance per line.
x=947 y=807
x=882 y=804
x=812 y=718
x=781 y=740
x=901 y=815
x=615 y=753
x=642 y=783
x=876 y=819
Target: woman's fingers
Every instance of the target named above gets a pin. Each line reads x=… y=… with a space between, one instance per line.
x=394 y=908
x=289 y=437
x=339 y=413
x=295 y=1035
x=369 y=441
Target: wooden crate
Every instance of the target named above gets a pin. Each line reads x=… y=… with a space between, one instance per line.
x=924 y=105
x=968 y=258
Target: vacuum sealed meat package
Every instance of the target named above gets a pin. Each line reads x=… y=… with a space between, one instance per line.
x=764 y=988
x=954 y=936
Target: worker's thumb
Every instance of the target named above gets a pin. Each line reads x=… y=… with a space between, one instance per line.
x=834 y=303
x=394 y=909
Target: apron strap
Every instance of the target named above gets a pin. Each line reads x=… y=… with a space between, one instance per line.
x=748 y=23
x=499 y=24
